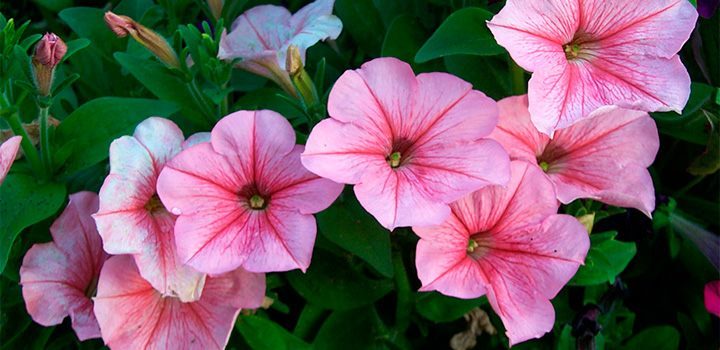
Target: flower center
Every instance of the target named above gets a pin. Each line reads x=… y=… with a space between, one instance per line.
x=91 y=289
x=544 y=165
x=394 y=159
x=154 y=204
x=478 y=246
x=257 y=202
x=572 y=51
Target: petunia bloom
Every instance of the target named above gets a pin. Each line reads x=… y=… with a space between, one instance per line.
x=507 y=243
x=261 y=37
x=59 y=278
x=244 y=198
x=133 y=315
x=132 y=220
x=409 y=144
x=604 y=158
x=712 y=297
x=593 y=53
x=8 y=152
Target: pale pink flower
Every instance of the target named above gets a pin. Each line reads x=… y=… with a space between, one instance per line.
x=134 y=315
x=603 y=158
x=59 y=278
x=8 y=152
x=261 y=37
x=244 y=199
x=592 y=53
x=132 y=220
x=507 y=243
x=409 y=144
x=712 y=297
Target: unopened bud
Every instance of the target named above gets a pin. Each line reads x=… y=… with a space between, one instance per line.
x=48 y=53
x=293 y=61
x=216 y=7
x=587 y=220
x=124 y=25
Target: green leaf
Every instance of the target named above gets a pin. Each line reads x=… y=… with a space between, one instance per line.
x=691 y=126
x=93 y=126
x=164 y=84
x=362 y=21
x=353 y=229
x=566 y=341
x=488 y=74
x=24 y=202
x=404 y=38
x=655 y=338
x=606 y=259
x=332 y=283
x=349 y=330
x=441 y=308
x=74 y=46
x=89 y=23
x=261 y=333
x=463 y=32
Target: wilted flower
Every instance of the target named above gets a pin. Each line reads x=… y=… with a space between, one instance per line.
x=124 y=25
x=603 y=158
x=409 y=144
x=132 y=220
x=244 y=199
x=59 y=278
x=133 y=315
x=260 y=37
x=507 y=243
x=593 y=53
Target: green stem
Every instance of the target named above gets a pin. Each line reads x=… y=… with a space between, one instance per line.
x=29 y=150
x=198 y=96
x=518 y=79
x=45 y=140
x=404 y=293
x=310 y=317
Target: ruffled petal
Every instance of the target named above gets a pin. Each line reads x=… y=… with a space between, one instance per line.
x=8 y=152
x=58 y=276
x=260 y=31
x=162 y=139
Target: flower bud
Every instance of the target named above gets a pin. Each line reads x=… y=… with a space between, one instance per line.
x=299 y=77
x=124 y=25
x=48 y=53
x=216 y=7
x=293 y=61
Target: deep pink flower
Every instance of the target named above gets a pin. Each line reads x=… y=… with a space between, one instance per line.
x=8 y=152
x=411 y=145
x=134 y=315
x=712 y=297
x=508 y=243
x=261 y=37
x=59 y=278
x=592 y=53
x=603 y=158
x=132 y=220
x=244 y=199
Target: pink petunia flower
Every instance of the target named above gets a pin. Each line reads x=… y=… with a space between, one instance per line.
x=712 y=297
x=8 y=152
x=592 y=53
x=59 y=278
x=261 y=37
x=244 y=199
x=604 y=158
x=134 y=315
x=409 y=144
x=507 y=243
x=132 y=220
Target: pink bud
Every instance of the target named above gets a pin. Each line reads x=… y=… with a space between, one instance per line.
x=50 y=50
x=120 y=25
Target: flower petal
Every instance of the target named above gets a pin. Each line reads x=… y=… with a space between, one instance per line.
x=260 y=31
x=515 y=131
x=606 y=157
x=712 y=297
x=295 y=188
x=635 y=25
x=343 y=152
x=527 y=267
x=162 y=139
x=534 y=32
x=56 y=276
x=283 y=240
x=8 y=151
x=132 y=314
